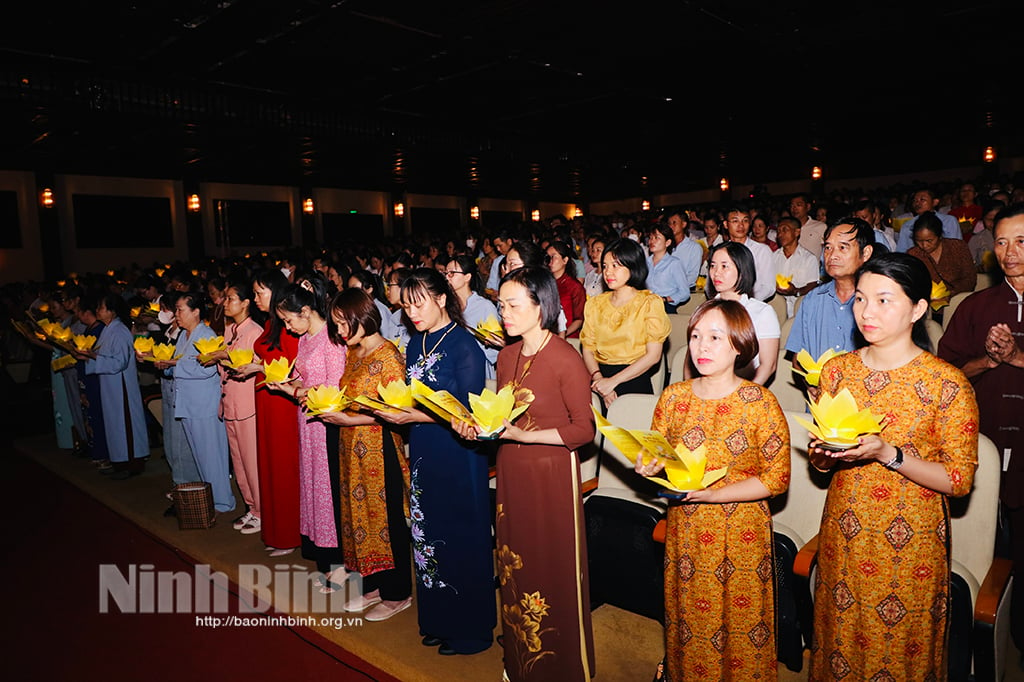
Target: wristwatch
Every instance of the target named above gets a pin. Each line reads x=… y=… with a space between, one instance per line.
x=896 y=462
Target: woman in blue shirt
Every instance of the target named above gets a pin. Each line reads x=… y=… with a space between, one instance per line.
x=665 y=275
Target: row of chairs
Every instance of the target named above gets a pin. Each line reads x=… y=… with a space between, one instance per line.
x=626 y=561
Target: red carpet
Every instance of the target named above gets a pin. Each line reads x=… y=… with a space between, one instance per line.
x=58 y=537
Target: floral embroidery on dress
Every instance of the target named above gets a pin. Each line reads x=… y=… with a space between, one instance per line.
x=522 y=620
x=424 y=368
x=423 y=551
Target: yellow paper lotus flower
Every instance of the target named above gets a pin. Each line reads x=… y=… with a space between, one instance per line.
x=838 y=420
x=811 y=368
x=45 y=325
x=61 y=333
x=136 y=311
x=240 y=357
x=143 y=345
x=940 y=295
x=324 y=399
x=782 y=281
x=154 y=307
x=208 y=346
x=702 y=281
x=277 y=371
x=490 y=409
x=688 y=472
x=163 y=351
x=396 y=394
x=84 y=341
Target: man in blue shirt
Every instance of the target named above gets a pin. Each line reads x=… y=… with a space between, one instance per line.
x=825 y=319
x=687 y=251
x=925 y=200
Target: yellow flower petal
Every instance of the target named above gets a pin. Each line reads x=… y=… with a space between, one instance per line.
x=238 y=358
x=322 y=399
x=811 y=368
x=209 y=346
x=490 y=409
x=163 y=351
x=396 y=394
x=783 y=281
x=838 y=420
x=84 y=341
x=277 y=371
x=143 y=344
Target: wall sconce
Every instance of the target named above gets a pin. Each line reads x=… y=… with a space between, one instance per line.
x=724 y=184
x=645 y=205
x=61 y=282
x=110 y=273
x=990 y=154
x=46 y=198
x=474 y=212
x=535 y=215
x=577 y=212
x=193 y=203
x=399 y=210
x=816 y=173
x=307 y=206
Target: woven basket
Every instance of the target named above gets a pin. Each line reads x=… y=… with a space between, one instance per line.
x=194 y=504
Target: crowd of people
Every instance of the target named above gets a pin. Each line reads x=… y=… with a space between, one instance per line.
x=369 y=491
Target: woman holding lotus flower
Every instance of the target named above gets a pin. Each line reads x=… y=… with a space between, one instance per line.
x=541 y=540
x=719 y=568
x=238 y=397
x=883 y=567
x=374 y=471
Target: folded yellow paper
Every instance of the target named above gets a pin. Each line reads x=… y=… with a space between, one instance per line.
x=839 y=421
x=811 y=368
x=396 y=394
x=490 y=409
x=239 y=358
x=84 y=341
x=324 y=399
x=441 y=403
x=783 y=281
x=207 y=347
x=940 y=295
x=490 y=330
x=684 y=469
x=277 y=371
x=143 y=344
x=163 y=351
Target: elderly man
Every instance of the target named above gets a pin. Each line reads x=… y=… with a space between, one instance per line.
x=985 y=339
x=925 y=200
x=795 y=263
x=825 y=319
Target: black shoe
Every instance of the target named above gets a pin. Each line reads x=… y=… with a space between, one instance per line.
x=124 y=475
x=171 y=511
x=432 y=641
x=446 y=650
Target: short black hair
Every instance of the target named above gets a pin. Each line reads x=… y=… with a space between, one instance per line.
x=543 y=290
x=863 y=233
x=630 y=255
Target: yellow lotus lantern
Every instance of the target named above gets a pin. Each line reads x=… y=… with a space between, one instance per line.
x=84 y=341
x=207 y=347
x=239 y=358
x=277 y=371
x=163 y=352
x=811 y=368
x=136 y=311
x=839 y=421
x=154 y=307
x=940 y=295
x=45 y=325
x=397 y=394
x=702 y=282
x=490 y=410
x=783 y=281
x=685 y=470
x=143 y=345
x=489 y=330
x=324 y=399
x=60 y=333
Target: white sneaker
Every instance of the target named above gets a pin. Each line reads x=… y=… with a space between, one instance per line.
x=252 y=527
x=240 y=522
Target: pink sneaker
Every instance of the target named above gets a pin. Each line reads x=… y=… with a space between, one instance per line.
x=385 y=610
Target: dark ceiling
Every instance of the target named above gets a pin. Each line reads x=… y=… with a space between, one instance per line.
x=556 y=100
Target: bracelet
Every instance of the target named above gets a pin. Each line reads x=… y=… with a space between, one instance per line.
x=596 y=371
x=896 y=462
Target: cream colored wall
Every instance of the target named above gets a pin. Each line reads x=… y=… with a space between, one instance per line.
x=500 y=205
x=209 y=192
x=96 y=260
x=550 y=208
x=26 y=262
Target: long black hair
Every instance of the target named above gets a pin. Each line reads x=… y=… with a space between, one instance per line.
x=467 y=264
x=912 y=276
x=276 y=282
x=244 y=291
x=746 y=273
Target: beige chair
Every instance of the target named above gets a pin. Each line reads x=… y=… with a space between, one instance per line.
x=797 y=512
x=785 y=386
x=778 y=304
x=617 y=478
x=985 y=280
x=954 y=303
x=677 y=336
x=785 y=328
x=934 y=332
x=678 y=366
x=575 y=343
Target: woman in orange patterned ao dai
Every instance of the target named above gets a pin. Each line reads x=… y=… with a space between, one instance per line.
x=882 y=593
x=374 y=480
x=719 y=566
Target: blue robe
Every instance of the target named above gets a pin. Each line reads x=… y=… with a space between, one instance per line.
x=119 y=385
x=197 y=405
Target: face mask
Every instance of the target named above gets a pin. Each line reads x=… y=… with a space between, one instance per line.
x=471 y=243
x=634 y=237
x=165 y=316
x=287 y=272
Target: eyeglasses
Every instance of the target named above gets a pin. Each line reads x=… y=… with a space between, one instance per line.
x=449 y=273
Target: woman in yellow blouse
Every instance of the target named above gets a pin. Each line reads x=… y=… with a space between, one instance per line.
x=625 y=327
